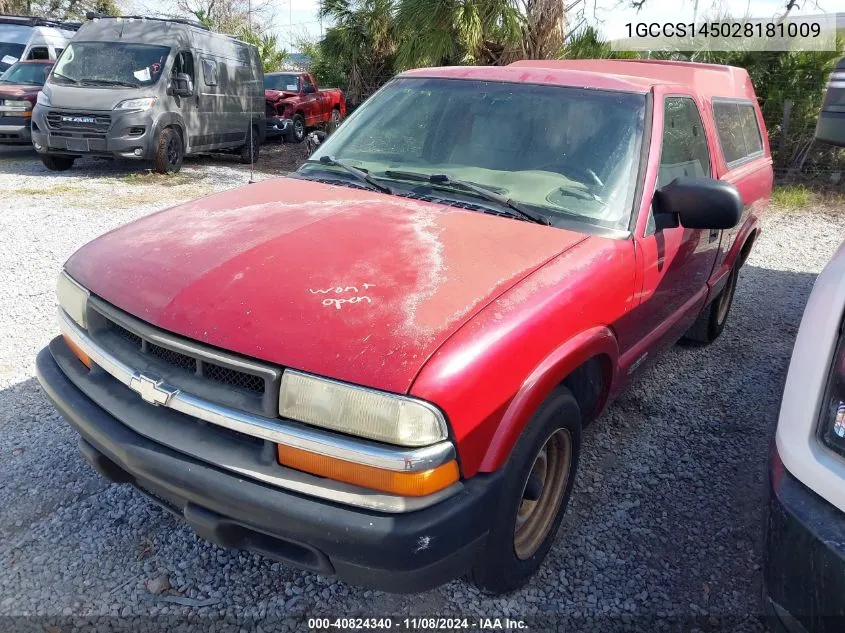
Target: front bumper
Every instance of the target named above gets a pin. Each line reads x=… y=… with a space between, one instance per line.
x=128 y=135
x=401 y=553
x=277 y=125
x=805 y=557
x=15 y=130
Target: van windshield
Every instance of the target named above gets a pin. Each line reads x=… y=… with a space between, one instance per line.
x=110 y=64
x=9 y=54
x=566 y=154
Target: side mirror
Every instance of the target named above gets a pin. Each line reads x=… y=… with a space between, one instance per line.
x=697 y=203
x=182 y=85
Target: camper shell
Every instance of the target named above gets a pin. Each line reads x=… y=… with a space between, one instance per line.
x=150 y=89
x=25 y=38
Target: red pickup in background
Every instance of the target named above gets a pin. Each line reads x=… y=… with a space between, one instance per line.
x=295 y=103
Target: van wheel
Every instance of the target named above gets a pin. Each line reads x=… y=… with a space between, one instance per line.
x=297 y=133
x=249 y=152
x=538 y=481
x=711 y=321
x=169 y=152
x=57 y=163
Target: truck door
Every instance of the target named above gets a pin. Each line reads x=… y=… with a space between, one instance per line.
x=676 y=263
x=188 y=107
x=310 y=102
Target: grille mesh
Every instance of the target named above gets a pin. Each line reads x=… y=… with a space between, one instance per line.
x=172 y=358
x=211 y=371
x=234 y=378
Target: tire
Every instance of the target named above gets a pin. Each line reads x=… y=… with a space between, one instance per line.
x=57 y=163
x=523 y=530
x=170 y=151
x=297 y=133
x=711 y=321
x=249 y=152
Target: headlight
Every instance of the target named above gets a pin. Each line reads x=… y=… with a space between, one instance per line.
x=832 y=423
x=144 y=103
x=43 y=99
x=16 y=106
x=359 y=411
x=73 y=299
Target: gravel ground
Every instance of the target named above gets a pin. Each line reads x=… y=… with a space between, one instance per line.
x=666 y=518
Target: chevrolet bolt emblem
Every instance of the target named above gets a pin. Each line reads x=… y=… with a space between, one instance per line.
x=152 y=390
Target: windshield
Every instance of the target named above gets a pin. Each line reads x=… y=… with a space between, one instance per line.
x=566 y=153
x=34 y=74
x=110 y=63
x=287 y=83
x=9 y=54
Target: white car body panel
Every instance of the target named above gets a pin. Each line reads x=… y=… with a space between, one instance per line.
x=798 y=444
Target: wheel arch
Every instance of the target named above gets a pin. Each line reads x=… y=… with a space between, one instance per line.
x=585 y=364
x=174 y=120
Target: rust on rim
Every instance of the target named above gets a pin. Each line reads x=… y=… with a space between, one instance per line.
x=542 y=494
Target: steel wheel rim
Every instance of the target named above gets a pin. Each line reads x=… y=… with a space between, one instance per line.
x=534 y=519
x=726 y=298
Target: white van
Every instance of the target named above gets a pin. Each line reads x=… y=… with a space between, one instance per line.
x=32 y=38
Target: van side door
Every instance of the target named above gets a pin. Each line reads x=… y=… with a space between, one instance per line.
x=675 y=263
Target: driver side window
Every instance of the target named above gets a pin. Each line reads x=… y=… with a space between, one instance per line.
x=684 y=151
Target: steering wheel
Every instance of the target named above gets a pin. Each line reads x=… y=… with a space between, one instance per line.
x=583 y=175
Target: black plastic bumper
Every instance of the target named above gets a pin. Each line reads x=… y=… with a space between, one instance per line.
x=277 y=125
x=393 y=552
x=805 y=557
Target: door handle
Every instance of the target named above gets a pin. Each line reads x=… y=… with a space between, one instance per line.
x=714 y=234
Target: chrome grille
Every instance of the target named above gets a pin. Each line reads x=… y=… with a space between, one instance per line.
x=216 y=375
x=79 y=121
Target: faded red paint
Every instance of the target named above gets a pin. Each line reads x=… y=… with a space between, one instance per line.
x=479 y=314
x=315 y=107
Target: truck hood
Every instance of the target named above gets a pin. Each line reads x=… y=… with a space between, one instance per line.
x=19 y=91
x=88 y=98
x=356 y=285
x=279 y=95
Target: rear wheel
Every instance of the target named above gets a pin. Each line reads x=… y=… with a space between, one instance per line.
x=249 y=152
x=170 y=151
x=711 y=321
x=538 y=481
x=297 y=133
x=57 y=163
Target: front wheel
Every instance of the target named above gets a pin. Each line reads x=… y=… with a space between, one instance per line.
x=169 y=152
x=57 y=163
x=297 y=133
x=537 y=484
x=711 y=321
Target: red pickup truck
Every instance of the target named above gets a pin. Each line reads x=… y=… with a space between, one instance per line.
x=380 y=366
x=295 y=103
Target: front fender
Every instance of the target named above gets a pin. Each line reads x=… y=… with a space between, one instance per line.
x=169 y=119
x=595 y=342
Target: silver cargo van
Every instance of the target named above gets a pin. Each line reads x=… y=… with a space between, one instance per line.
x=25 y=38
x=150 y=89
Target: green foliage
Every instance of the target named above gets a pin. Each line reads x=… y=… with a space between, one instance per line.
x=272 y=56
x=59 y=9
x=588 y=43
x=790 y=196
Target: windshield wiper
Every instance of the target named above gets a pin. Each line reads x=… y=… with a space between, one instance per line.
x=479 y=191
x=360 y=174
x=109 y=82
x=70 y=79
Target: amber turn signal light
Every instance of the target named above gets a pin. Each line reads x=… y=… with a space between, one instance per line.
x=82 y=356
x=402 y=483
